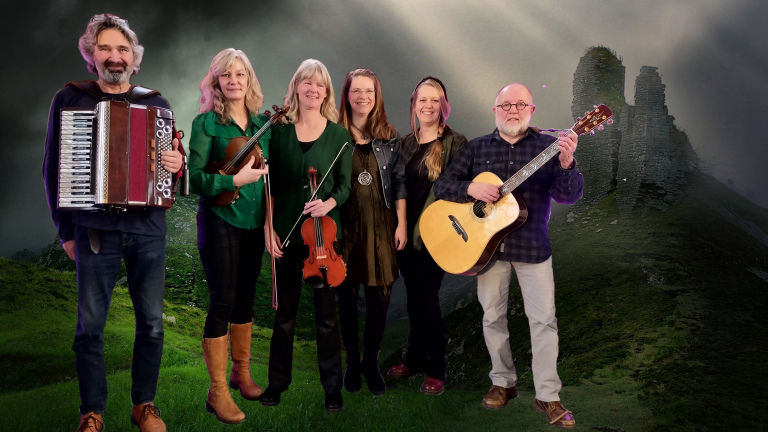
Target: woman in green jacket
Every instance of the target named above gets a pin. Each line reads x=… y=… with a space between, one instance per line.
x=230 y=237
x=309 y=138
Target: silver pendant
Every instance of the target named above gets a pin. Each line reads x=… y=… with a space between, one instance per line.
x=364 y=178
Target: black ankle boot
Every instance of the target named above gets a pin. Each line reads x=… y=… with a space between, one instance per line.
x=270 y=397
x=334 y=402
x=352 y=381
x=375 y=380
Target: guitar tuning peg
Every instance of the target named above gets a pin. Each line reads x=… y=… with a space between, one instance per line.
x=578 y=119
x=610 y=121
x=592 y=132
x=586 y=113
x=600 y=127
x=594 y=106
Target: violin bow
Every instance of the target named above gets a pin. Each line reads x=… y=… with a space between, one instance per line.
x=314 y=195
x=267 y=189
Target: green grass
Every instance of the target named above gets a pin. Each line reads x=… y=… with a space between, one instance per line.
x=661 y=329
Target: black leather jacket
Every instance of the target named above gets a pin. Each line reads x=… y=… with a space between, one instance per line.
x=391 y=168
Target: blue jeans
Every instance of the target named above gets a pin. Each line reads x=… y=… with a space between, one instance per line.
x=96 y=276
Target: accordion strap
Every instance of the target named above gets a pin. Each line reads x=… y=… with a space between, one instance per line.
x=135 y=93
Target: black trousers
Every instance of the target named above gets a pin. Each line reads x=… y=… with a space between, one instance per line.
x=426 y=340
x=231 y=259
x=376 y=305
x=289 y=275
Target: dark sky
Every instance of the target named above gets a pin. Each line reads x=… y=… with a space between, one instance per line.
x=710 y=55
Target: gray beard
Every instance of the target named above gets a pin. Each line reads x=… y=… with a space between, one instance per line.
x=513 y=131
x=113 y=77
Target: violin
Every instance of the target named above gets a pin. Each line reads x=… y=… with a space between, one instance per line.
x=323 y=266
x=239 y=150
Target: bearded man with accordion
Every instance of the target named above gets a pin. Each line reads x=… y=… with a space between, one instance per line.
x=112 y=158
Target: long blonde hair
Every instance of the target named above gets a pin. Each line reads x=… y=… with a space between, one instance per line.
x=433 y=160
x=212 y=98
x=306 y=70
x=376 y=124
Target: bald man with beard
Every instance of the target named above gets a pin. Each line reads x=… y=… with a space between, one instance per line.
x=527 y=250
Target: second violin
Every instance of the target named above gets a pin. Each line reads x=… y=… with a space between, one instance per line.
x=323 y=266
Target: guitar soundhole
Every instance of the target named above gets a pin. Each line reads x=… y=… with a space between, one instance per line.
x=482 y=209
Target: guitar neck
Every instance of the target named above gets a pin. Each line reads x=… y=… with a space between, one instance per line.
x=531 y=167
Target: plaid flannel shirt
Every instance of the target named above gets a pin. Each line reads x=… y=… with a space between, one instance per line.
x=530 y=243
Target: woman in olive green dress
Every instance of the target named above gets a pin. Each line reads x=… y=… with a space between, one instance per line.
x=374 y=225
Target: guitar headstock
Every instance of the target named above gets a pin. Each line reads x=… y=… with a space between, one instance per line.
x=593 y=120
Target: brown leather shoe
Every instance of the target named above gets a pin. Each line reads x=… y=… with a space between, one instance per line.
x=240 y=378
x=400 y=371
x=432 y=386
x=498 y=396
x=90 y=422
x=556 y=414
x=147 y=418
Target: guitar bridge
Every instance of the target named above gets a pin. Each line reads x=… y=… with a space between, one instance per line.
x=458 y=228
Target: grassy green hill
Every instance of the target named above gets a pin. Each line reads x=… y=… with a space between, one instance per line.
x=661 y=328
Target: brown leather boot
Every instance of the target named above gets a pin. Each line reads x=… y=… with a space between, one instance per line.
x=219 y=400
x=147 y=418
x=90 y=422
x=240 y=378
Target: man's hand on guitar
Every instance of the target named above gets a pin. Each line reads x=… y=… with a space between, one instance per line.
x=567 y=145
x=485 y=192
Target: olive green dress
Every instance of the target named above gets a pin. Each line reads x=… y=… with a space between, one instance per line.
x=369 y=226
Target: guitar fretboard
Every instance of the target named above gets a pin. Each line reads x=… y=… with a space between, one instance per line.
x=531 y=167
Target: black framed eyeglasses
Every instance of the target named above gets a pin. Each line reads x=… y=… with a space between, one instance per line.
x=506 y=106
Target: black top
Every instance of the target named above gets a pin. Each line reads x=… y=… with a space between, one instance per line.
x=417 y=184
x=365 y=149
x=305 y=146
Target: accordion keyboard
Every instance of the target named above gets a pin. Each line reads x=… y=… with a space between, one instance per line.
x=75 y=189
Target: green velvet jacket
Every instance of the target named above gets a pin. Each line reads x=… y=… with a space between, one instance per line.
x=208 y=142
x=288 y=167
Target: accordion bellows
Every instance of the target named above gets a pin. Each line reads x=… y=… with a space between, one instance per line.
x=110 y=157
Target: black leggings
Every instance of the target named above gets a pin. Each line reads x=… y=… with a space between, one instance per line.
x=376 y=305
x=426 y=340
x=231 y=259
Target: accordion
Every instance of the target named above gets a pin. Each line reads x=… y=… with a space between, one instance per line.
x=110 y=157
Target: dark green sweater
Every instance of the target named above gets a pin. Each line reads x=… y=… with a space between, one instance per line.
x=288 y=167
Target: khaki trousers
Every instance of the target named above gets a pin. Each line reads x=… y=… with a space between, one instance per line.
x=538 y=289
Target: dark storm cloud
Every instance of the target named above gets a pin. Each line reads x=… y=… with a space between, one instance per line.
x=474 y=50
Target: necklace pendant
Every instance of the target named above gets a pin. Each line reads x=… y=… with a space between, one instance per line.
x=364 y=178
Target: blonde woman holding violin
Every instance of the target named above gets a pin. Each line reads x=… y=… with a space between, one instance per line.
x=230 y=237
x=310 y=138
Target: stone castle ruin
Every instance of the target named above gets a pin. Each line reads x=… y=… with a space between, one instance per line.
x=643 y=156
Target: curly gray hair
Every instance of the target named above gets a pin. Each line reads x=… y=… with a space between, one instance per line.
x=98 y=24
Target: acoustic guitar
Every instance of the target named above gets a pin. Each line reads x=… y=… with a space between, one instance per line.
x=462 y=237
